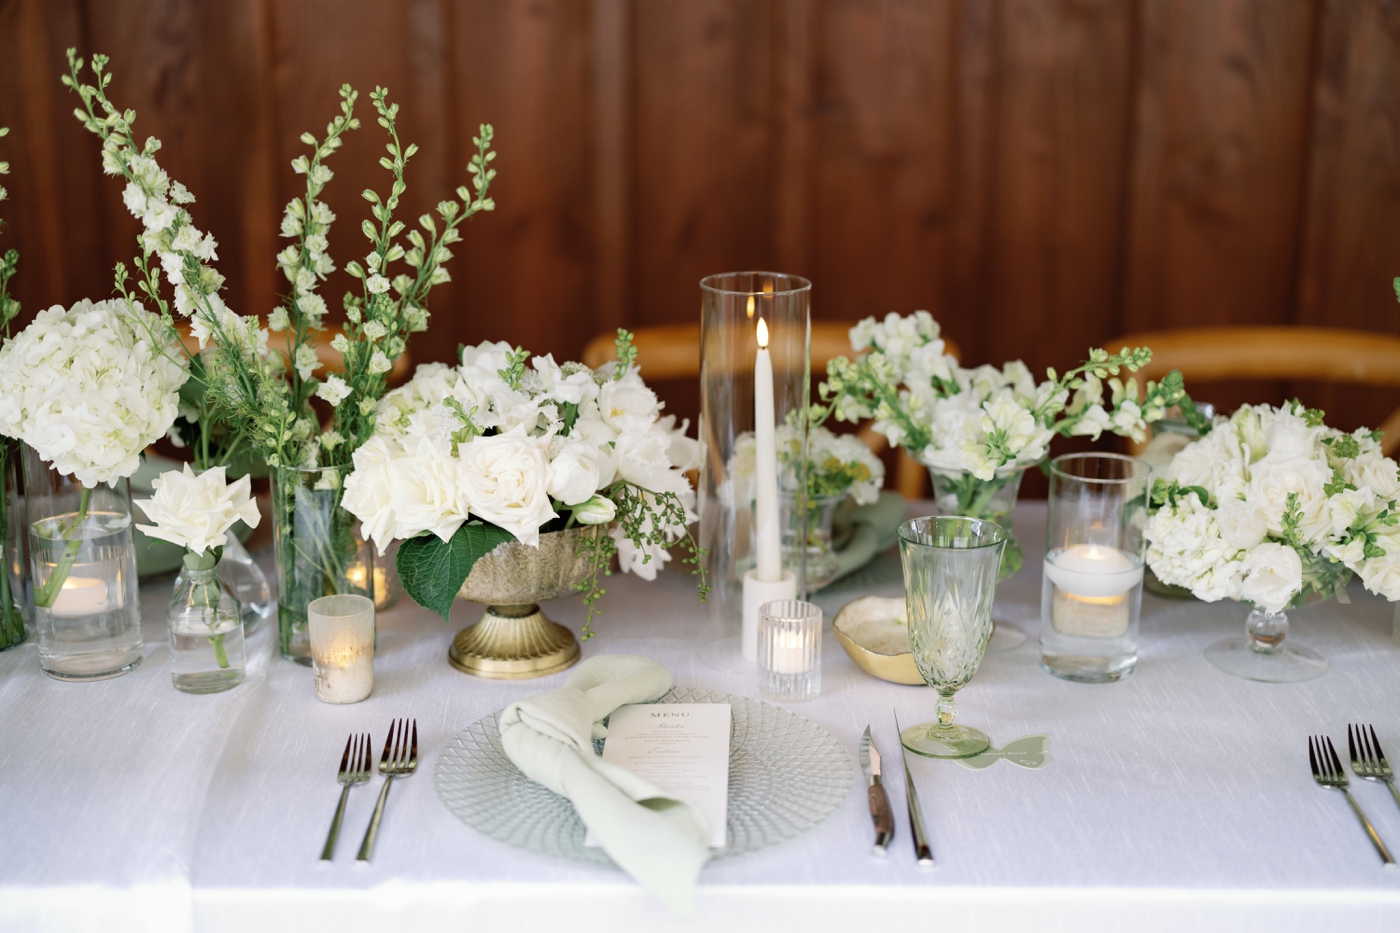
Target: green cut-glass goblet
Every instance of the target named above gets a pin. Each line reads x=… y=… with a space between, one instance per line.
x=950 y=581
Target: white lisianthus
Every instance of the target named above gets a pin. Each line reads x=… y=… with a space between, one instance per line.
x=333 y=390
x=1273 y=575
x=196 y=511
x=505 y=479
x=86 y=388
x=598 y=510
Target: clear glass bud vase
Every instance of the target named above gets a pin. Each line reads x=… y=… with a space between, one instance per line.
x=247 y=582
x=821 y=564
x=958 y=492
x=318 y=548
x=16 y=597
x=206 y=631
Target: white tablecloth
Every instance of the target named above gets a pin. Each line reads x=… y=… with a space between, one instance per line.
x=1178 y=797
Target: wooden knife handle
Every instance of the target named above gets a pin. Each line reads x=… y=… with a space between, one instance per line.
x=882 y=815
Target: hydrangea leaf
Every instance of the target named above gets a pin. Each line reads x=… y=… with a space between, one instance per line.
x=433 y=570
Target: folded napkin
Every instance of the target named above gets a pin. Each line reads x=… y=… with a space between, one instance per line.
x=656 y=838
x=861 y=532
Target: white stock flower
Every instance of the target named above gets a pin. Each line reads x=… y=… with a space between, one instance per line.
x=377 y=284
x=277 y=320
x=379 y=363
x=504 y=477
x=306 y=361
x=333 y=390
x=86 y=389
x=1273 y=575
x=196 y=512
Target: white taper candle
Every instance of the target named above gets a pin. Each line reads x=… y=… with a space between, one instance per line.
x=769 y=567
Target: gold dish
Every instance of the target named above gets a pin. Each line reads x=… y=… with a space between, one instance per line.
x=875 y=633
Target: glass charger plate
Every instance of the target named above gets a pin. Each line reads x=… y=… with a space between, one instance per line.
x=786 y=774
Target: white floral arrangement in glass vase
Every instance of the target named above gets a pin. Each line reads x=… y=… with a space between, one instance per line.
x=1271 y=506
x=977 y=429
x=464 y=459
x=839 y=468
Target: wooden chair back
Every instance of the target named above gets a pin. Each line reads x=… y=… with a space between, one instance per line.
x=1321 y=354
x=672 y=351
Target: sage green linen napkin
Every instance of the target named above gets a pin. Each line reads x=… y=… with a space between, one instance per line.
x=658 y=839
x=861 y=532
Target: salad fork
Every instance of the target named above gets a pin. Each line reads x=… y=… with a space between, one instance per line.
x=355 y=767
x=1371 y=764
x=1327 y=772
x=400 y=758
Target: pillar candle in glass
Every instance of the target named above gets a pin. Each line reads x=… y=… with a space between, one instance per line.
x=789 y=650
x=731 y=369
x=342 y=647
x=1091 y=594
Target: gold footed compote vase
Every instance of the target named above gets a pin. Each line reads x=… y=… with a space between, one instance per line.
x=515 y=640
x=950 y=581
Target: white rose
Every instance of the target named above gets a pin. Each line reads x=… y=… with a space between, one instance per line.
x=369 y=491
x=1241 y=525
x=576 y=472
x=1381 y=575
x=504 y=477
x=424 y=493
x=1373 y=471
x=196 y=512
x=596 y=511
x=1273 y=575
x=1273 y=479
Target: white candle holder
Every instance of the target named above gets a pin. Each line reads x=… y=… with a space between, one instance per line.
x=342 y=647
x=1091 y=595
x=789 y=650
x=732 y=304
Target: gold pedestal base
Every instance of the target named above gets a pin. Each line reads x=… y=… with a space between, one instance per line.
x=513 y=643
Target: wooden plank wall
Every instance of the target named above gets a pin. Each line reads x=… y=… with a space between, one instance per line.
x=1041 y=174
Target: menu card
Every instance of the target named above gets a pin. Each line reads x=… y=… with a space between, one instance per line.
x=682 y=748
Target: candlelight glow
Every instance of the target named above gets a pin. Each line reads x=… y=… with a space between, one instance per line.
x=762 y=328
x=750 y=309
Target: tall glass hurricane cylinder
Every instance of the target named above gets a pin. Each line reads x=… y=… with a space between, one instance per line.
x=86 y=608
x=1091 y=594
x=951 y=566
x=731 y=306
x=318 y=549
x=16 y=596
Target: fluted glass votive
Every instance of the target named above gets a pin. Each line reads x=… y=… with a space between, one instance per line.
x=789 y=650
x=342 y=647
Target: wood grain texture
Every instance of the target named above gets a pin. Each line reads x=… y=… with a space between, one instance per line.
x=1040 y=174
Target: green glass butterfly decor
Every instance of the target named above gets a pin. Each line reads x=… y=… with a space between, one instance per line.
x=1031 y=751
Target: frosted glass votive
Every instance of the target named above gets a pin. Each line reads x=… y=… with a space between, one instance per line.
x=342 y=647
x=789 y=650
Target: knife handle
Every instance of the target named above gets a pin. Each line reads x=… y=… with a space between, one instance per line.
x=882 y=815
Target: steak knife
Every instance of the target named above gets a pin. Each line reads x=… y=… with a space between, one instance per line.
x=879 y=801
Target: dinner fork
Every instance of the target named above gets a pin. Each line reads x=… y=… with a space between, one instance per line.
x=355 y=765
x=400 y=758
x=1327 y=771
x=1371 y=765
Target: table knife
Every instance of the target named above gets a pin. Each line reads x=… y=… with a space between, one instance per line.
x=879 y=800
x=922 y=851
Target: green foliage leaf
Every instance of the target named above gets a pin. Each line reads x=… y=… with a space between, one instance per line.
x=433 y=571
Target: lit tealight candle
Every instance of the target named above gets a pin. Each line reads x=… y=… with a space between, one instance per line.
x=790 y=655
x=342 y=647
x=81 y=596
x=1092 y=587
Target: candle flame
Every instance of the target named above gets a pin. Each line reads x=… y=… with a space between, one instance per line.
x=768 y=287
x=762 y=332
x=750 y=309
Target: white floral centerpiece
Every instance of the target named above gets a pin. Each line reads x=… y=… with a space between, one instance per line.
x=1273 y=508
x=977 y=429
x=1272 y=505
x=464 y=459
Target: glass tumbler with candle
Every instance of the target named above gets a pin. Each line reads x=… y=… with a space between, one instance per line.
x=87 y=613
x=951 y=566
x=789 y=650
x=206 y=628
x=342 y=647
x=1091 y=595
x=737 y=309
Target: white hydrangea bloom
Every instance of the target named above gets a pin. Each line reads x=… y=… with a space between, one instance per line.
x=86 y=389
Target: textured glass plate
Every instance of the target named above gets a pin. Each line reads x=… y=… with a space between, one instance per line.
x=786 y=774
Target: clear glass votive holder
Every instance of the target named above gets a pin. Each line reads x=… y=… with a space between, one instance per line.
x=1091 y=594
x=789 y=650
x=342 y=647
